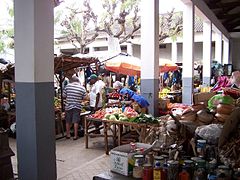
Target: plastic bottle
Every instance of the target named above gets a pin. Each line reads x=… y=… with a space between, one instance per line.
x=157 y=171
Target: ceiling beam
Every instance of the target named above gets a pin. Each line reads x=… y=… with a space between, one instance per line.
x=232 y=25
x=235 y=30
x=228 y=16
x=220 y=5
x=202 y=6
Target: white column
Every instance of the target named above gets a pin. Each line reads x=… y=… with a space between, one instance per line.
x=150 y=53
x=34 y=74
x=174 y=52
x=218 y=47
x=225 y=51
x=188 y=52
x=130 y=48
x=207 y=52
x=91 y=49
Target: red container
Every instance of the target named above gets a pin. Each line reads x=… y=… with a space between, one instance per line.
x=147 y=172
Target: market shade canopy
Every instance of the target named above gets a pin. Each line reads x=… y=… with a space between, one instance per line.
x=129 y=65
x=124 y=64
x=65 y=63
x=166 y=65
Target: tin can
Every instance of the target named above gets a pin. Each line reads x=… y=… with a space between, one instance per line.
x=201 y=147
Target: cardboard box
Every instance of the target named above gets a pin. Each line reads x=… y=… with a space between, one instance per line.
x=121 y=159
x=202 y=97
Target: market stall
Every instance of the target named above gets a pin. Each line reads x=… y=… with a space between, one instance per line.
x=115 y=120
x=199 y=141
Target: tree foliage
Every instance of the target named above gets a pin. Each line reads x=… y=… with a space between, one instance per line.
x=7 y=32
x=119 y=18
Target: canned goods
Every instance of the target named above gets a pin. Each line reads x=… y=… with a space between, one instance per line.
x=201 y=147
x=172 y=169
x=147 y=172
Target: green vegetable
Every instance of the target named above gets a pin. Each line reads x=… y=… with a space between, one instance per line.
x=107 y=116
x=123 y=119
x=112 y=117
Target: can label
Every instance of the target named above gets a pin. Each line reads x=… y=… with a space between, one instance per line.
x=156 y=175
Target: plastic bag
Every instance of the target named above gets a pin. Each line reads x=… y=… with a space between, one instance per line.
x=219 y=98
x=210 y=133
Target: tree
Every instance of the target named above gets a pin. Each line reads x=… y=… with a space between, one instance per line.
x=170 y=25
x=7 y=31
x=119 y=18
x=78 y=26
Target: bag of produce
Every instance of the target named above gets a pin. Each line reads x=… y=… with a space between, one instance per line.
x=211 y=132
x=219 y=99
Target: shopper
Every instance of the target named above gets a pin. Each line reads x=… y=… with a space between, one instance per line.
x=96 y=92
x=96 y=96
x=74 y=93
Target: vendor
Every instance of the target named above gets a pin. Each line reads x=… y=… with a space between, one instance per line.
x=235 y=79
x=125 y=92
x=140 y=104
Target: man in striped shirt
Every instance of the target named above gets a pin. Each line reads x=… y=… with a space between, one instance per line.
x=74 y=93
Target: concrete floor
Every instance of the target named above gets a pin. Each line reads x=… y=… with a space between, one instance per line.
x=73 y=160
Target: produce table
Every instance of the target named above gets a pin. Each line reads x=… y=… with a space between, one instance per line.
x=142 y=129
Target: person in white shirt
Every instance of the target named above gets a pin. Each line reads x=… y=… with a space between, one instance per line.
x=96 y=96
x=96 y=93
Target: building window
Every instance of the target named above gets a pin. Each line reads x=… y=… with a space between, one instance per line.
x=162 y=46
x=123 y=48
x=104 y=48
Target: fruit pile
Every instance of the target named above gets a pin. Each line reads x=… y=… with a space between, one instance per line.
x=98 y=114
x=57 y=102
x=113 y=95
x=129 y=115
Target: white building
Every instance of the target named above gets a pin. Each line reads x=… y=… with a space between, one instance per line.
x=169 y=49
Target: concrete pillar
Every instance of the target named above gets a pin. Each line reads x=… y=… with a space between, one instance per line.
x=207 y=52
x=35 y=89
x=218 y=47
x=235 y=53
x=150 y=53
x=91 y=49
x=225 y=51
x=188 y=52
x=174 y=52
x=130 y=48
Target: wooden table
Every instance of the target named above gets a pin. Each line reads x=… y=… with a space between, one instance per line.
x=142 y=129
x=59 y=116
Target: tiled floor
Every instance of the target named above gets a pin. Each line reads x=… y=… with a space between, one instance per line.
x=74 y=161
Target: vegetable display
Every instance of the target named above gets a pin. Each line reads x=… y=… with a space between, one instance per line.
x=129 y=115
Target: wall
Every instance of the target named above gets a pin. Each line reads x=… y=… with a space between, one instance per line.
x=165 y=53
x=235 y=53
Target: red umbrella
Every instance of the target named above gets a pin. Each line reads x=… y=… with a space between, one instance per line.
x=166 y=65
x=123 y=64
x=130 y=65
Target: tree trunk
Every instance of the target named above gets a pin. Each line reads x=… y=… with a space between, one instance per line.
x=1 y=82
